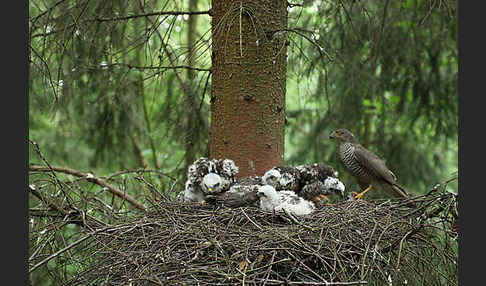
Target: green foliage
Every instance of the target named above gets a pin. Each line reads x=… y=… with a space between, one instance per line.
x=103 y=95
x=109 y=91
x=392 y=82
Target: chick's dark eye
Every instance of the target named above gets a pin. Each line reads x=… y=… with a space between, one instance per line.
x=217 y=184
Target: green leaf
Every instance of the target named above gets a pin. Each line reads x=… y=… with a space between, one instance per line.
x=394 y=99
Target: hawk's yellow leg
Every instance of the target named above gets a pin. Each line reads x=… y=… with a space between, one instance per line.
x=360 y=195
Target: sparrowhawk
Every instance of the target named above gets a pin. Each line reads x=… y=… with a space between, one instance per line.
x=368 y=169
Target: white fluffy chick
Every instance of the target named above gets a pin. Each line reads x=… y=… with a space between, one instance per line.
x=288 y=201
x=212 y=183
x=335 y=185
x=271 y=177
x=282 y=178
x=229 y=168
x=192 y=194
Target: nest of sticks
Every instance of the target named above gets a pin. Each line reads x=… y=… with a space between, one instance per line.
x=362 y=242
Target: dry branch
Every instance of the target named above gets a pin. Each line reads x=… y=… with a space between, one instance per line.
x=160 y=67
x=157 y=13
x=47 y=259
x=91 y=178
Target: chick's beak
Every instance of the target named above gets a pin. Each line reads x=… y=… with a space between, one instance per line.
x=341 y=193
x=210 y=189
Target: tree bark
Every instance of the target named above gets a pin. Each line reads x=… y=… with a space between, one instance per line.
x=248 y=83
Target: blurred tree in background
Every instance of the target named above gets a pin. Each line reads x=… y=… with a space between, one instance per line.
x=126 y=85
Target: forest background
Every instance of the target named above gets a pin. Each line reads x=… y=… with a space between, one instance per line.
x=121 y=86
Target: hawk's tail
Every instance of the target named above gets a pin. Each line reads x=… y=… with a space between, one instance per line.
x=398 y=191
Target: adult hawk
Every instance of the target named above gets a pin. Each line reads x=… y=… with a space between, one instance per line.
x=368 y=169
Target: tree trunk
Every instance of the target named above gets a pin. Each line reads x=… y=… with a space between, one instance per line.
x=248 y=83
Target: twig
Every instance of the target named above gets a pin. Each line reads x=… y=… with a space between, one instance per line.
x=158 y=13
x=91 y=178
x=140 y=171
x=49 y=168
x=289 y=215
x=123 y=18
x=317 y=283
x=158 y=67
x=65 y=249
x=320 y=49
x=50 y=204
x=254 y=223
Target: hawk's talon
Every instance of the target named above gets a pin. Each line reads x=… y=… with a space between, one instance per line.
x=360 y=195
